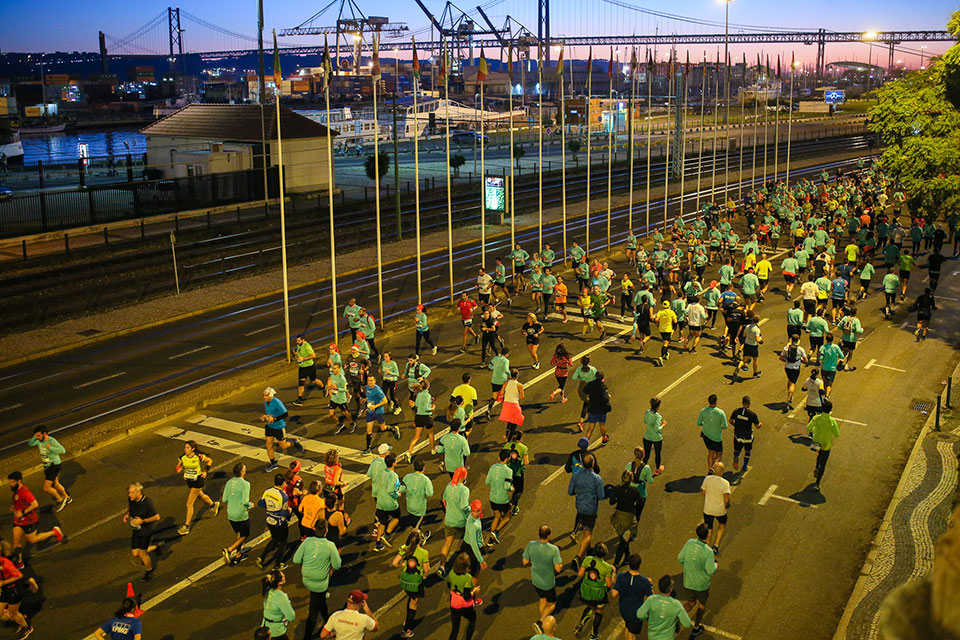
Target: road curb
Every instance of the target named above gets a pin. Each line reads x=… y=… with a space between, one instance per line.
x=860 y=589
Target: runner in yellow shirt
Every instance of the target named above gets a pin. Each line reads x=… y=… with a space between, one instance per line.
x=665 y=319
x=762 y=270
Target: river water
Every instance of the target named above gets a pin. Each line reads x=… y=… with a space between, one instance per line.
x=64 y=148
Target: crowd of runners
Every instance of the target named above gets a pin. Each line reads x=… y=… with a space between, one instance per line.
x=829 y=244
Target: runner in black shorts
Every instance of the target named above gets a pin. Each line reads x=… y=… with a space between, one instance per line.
x=141 y=516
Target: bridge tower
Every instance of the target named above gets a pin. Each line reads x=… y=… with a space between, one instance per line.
x=543 y=26
x=176 y=36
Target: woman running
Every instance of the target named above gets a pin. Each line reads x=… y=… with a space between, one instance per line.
x=561 y=362
x=194 y=465
x=333 y=483
x=653 y=434
x=390 y=373
x=463 y=596
x=531 y=331
x=624 y=518
x=12 y=585
x=510 y=411
x=337 y=521
x=277 y=610
x=414 y=561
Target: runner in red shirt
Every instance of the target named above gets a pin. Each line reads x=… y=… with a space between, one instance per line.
x=466 y=306
x=11 y=595
x=25 y=518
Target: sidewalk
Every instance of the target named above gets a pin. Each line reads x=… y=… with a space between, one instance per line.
x=901 y=556
x=85 y=330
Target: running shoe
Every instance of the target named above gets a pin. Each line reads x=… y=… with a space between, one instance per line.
x=396 y=431
x=605 y=439
x=659 y=470
x=69 y=499
x=259 y=562
x=367 y=452
x=563 y=399
x=426 y=535
x=24 y=632
x=594 y=636
x=273 y=466
x=299 y=445
x=516 y=509
x=758 y=374
x=697 y=630
x=397 y=411
x=216 y=508
x=340 y=429
x=434 y=351
x=716 y=550
x=61 y=505
x=442 y=572
x=183 y=530
x=282 y=566
x=298 y=402
x=226 y=556
x=353 y=427
x=148 y=575
x=58 y=534
x=495 y=539
x=406 y=633
x=536 y=365
x=379 y=546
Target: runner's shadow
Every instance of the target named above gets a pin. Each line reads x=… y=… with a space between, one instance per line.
x=690 y=484
x=808 y=496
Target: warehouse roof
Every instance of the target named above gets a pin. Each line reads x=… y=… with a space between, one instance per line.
x=235 y=123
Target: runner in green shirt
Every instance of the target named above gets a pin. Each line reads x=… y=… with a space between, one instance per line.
x=236 y=495
x=712 y=421
x=823 y=429
x=866 y=273
x=500 y=480
x=906 y=264
x=830 y=358
x=890 y=285
x=545 y=563
x=851 y=328
x=699 y=565
x=319 y=558
x=663 y=612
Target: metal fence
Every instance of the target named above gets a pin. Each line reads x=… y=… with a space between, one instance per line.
x=51 y=210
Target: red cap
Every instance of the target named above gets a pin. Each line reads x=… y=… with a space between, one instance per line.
x=357 y=596
x=420 y=307
x=476 y=505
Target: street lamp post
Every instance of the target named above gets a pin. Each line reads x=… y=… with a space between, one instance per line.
x=870 y=36
x=922 y=47
x=396 y=145
x=726 y=95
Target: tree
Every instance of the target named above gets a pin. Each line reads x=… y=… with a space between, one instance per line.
x=920 y=127
x=369 y=166
x=456 y=161
x=574 y=146
x=518 y=152
x=951 y=61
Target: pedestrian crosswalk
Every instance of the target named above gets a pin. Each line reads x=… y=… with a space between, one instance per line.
x=211 y=438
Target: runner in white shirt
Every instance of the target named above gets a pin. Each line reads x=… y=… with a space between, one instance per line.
x=814 y=388
x=353 y=622
x=716 y=500
x=696 y=316
x=484 y=286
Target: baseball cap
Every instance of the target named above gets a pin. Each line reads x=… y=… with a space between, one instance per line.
x=354 y=347
x=420 y=307
x=476 y=505
x=583 y=442
x=383 y=448
x=357 y=596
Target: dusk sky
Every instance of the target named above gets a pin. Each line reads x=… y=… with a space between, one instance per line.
x=68 y=25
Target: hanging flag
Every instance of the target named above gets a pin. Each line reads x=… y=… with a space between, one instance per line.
x=610 y=65
x=560 y=63
x=510 y=62
x=633 y=63
x=758 y=67
x=277 y=75
x=415 y=65
x=590 y=62
x=778 y=66
x=767 y=67
x=482 y=68
x=375 y=66
x=686 y=67
x=443 y=66
x=326 y=64
x=793 y=64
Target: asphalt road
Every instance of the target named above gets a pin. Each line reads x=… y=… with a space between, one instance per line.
x=89 y=384
x=788 y=563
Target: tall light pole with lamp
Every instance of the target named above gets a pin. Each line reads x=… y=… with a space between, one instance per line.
x=922 y=47
x=726 y=94
x=396 y=144
x=870 y=36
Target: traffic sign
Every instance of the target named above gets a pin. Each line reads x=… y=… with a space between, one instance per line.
x=834 y=96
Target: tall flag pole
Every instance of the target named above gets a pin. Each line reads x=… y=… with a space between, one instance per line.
x=563 y=150
x=540 y=146
x=703 y=114
x=765 y=130
x=742 y=126
x=756 y=124
x=776 y=128
x=610 y=123
x=327 y=79
x=630 y=117
x=375 y=78
x=277 y=83
x=650 y=71
x=683 y=137
x=586 y=245
x=666 y=164
x=415 y=67
x=713 y=135
x=481 y=76
x=445 y=79
x=513 y=240
x=793 y=68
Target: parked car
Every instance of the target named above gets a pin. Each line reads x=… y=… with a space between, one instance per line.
x=467 y=136
x=5 y=193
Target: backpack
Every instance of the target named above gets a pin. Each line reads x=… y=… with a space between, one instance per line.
x=792 y=354
x=593 y=588
x=411 y=578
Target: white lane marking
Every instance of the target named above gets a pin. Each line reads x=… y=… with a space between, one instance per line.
x=255 y=332
x=187 y=353
x=873 y=363
x=760 y=324
x=389 y=604
x=860 y=424
x=87 y=384
x=722 y=633
x=946 y=298
x=258 y=433
x=12 y=407
x=766 y=496
x=556 y=474
x=676 y=382
x=786 y=499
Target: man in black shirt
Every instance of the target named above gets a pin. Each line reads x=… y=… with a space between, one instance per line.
x=743 y=421
x=924 y=306
x=934 y=267
x=576 y=458
x=141 y=515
